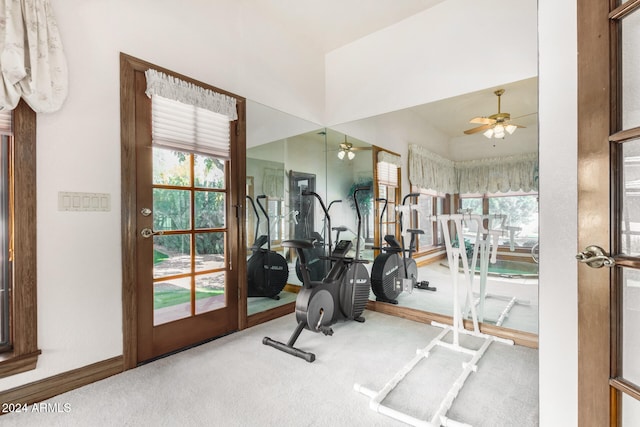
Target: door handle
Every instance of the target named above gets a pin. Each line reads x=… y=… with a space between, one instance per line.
x=595 y=257
x=147 y=232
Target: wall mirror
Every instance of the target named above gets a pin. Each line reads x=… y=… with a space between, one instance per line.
x=510 y=295
x=287 y=157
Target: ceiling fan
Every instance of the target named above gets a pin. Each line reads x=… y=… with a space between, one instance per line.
x=496 y=124
x=347 y=149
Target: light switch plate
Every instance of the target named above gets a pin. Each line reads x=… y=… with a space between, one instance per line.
x=84 y=202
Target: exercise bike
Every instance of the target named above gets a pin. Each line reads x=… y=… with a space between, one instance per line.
x=410 y=266
x=341 y=295
x=267 y=270
x=316 y=265
x=394 y=270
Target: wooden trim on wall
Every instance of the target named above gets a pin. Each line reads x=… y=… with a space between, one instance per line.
x=526 y=339
x=128 y=66
x=49 y=387
x=24 y=298
x=274 y=313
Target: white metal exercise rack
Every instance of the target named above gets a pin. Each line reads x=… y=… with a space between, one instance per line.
x=454 y=256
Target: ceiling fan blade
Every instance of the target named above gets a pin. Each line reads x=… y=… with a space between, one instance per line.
x=360 y=148
x=482 y=120
x=477 y=129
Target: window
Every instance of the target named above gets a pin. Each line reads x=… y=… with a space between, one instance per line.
x=5 y=228
x=387 y=180
x=19 y=336
x=430 y=203
x=516 y=210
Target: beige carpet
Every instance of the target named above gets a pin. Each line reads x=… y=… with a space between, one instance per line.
x=238 y=381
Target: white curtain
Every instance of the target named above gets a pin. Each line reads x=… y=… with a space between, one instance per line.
x=273 y=183
x=32 y=61
x=430 y=171
x=498 y=174
x=179 y=90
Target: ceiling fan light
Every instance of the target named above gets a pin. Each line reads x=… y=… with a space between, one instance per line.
x=351 y=155
x=488 y=133
x=341 y=154
x=498 y=129
x=497 y=134
x=511 y=128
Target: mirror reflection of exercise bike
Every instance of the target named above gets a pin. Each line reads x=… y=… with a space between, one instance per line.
x=321 y=245
x=394 y=270
x=341 y=295
x=267 y=270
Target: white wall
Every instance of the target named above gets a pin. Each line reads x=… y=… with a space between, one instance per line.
x=451 y=49
x=224 y=43
x=558 y=324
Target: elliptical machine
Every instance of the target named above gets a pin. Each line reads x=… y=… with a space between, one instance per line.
x=267 y=270
x=316 y=265
x=341 y=295
x=394 y=270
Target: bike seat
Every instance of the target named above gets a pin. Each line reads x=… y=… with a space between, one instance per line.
x=415 y=231
x=340 y=228
x=392 y=241
x=297 y=244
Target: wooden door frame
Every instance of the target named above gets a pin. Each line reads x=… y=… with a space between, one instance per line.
x=598 y=115
x=128 y=66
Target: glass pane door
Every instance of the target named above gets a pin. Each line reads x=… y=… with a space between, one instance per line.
x=189 y=224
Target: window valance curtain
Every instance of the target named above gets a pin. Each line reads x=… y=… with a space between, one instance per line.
x=169 y=87
x=499 y=174
x=187 y=117
x=32 y=61
x=394 y=159
x=431 y=171
x=273 y=183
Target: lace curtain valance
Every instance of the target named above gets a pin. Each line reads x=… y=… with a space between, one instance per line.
x=273 y=183
x=32 y=62
x=431 y=171
x=500 y=174
x=179 y=90
x=394 y=159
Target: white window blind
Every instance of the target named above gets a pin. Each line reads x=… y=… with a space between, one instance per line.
x=388 y=174
x=5 y=122
x=184 y=127
x=387 y=166
x=188 y=117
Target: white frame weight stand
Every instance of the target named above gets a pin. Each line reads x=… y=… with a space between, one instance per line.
x=454 y=255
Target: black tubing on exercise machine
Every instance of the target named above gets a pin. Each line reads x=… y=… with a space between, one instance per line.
x=322 y=246
x=267 y=270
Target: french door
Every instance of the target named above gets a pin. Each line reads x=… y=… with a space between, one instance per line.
x=609 y=233
x=181 y=226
